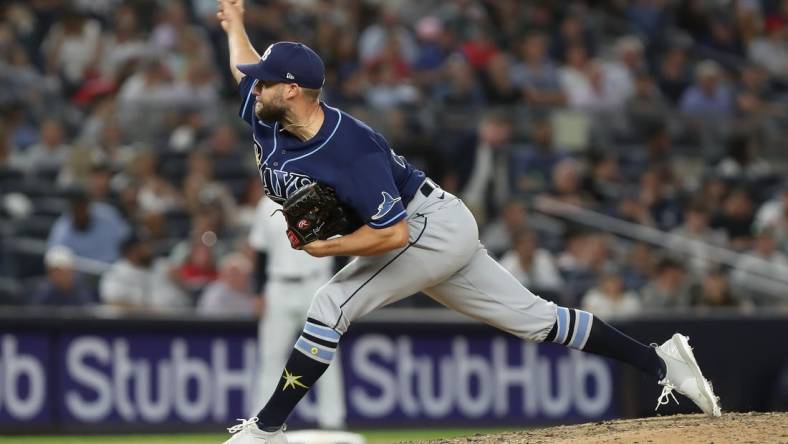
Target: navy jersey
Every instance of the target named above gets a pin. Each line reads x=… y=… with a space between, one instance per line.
x=345 y=153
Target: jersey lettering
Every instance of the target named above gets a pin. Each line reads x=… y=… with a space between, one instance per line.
x=280 y=184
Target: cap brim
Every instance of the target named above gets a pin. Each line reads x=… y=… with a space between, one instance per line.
x=258 y=71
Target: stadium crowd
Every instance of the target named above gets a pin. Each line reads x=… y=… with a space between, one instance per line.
x=127 y=179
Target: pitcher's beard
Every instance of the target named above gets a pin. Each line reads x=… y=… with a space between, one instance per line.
x=269 y=113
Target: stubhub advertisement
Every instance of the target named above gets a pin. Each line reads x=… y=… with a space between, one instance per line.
x=83 y=380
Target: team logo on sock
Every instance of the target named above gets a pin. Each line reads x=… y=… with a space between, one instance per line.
x=292 y=381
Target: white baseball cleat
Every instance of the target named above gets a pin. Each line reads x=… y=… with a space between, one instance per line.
x=684 y=376
x=247 y=432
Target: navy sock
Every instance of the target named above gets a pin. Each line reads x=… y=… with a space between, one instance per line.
x=311 y=356
x=583 y=331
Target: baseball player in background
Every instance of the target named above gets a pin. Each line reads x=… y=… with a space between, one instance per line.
x=416 y=237
x=289 y=279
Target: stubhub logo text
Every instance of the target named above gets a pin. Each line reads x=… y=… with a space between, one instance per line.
x=152 y=378
x=501 y=377
x=175 y=379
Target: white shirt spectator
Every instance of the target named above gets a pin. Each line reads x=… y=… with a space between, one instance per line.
x=231 y=294
x=761 y=275
x=126 y=284
x=543 y=274
x=219 y=299
x=602 y=305
x=74 y=52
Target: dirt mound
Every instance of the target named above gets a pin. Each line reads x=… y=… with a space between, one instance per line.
x=730 y=428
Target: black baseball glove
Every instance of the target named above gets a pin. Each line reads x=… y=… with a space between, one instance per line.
x=314 y=212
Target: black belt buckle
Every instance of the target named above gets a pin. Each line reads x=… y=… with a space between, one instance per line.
x=427 y=187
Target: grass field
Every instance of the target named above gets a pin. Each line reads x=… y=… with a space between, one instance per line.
x=373 y=437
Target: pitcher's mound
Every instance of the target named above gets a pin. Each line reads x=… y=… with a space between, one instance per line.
x=730 y=428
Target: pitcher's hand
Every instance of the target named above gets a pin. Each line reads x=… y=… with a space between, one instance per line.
x=231 y=13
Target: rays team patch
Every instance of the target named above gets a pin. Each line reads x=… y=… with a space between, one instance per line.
x=386 y=205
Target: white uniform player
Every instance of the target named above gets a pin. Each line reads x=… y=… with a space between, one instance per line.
x=293 y=278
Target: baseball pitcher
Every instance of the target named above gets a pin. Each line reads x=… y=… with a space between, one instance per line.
x=410 y=235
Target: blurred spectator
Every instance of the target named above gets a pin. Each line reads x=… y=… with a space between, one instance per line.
x=155 y=194
x=755 y=94
x=479 y=48
x=774 y=213
x=461 y=87
x=534 y=267
x=128 y=282
x=604 y=182
x=566 y=183
x=761 y=274
x=771 y=50
x=715 y=290
x=658 y=195
x=124 y=44
x=199 y=268
x=47 y=157
x=531 y=168
x=708 y=98
x=585 y=254
x=498 y=235
x=620 y=73
x=372 y=40
x=536 y=75
x=93 y=230
x=697 y=236
x=638 y=266
x=571 y=33
x=231 y=294
x=201 y=189
x=62 y=286
x=73 y=47
x=609 y=298
x=673 y=73
x=487 y=189
x=712 y=193
x=669 y=287
x=646 y=107
x=576 y=79
x=723 y=42
x=498 y=84
x=736 y=219
x=742 y=163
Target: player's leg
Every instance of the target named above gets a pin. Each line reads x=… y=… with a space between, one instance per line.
x=364 y=285
x=276 y=331
x=331 y=411
x=486 y=291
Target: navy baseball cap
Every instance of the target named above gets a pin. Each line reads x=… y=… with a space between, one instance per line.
x=288 y=62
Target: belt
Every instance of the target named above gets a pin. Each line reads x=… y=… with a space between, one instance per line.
x=428 y=187
x=295 y=279
x=290 y=280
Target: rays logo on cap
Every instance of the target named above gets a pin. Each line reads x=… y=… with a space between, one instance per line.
x=267 y=52
x=386 y=205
